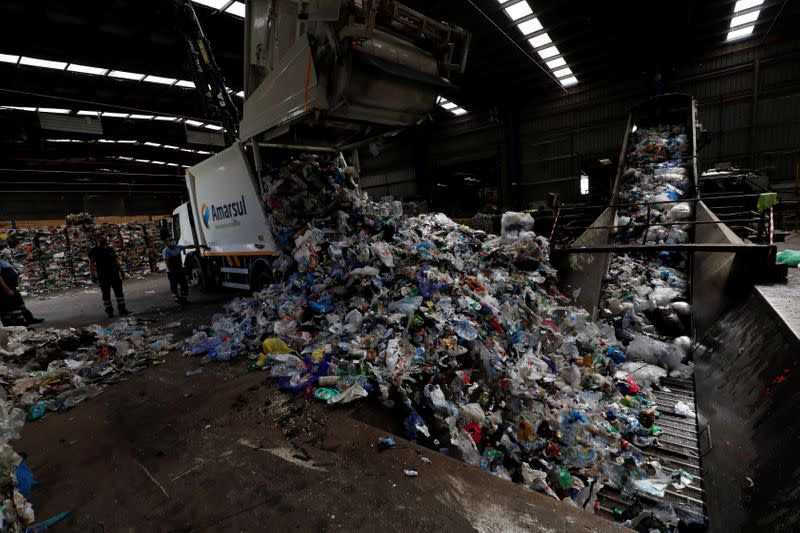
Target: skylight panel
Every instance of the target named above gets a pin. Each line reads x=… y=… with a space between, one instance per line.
x=555 y=63
x=566 y=82
x=191 y=122
x=213 y=127
x=155 y=145
x=213 y=4
x=165 y=118
x=84 y=69
x=519 y=10
x=185 y=84
x=548 y=52
x=740 y=33
x=54 y=110
x=529 y=26
x=745 y=19
x=112 y=114
x=160 y=80
x=560 y=73
x=135 y=76
x=741 y=5
x=458 y=111
x=540 y=40
x=141 y=117
x=8 y=58
x=236 y=9
x=42 y=63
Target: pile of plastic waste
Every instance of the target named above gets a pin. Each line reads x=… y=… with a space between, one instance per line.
x=645 y=295
x=53 y=370
x=56 y=257
x=462 y=334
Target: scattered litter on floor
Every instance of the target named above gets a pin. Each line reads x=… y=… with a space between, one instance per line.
x=53 y=370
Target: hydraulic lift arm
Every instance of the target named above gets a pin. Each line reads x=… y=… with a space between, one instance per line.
x=206 y=74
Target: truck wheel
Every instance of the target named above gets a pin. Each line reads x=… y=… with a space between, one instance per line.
x=261 y=279
x=197 y=275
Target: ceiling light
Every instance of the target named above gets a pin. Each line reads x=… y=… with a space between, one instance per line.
x=634 y=128
x=560 y=73
x=202 y=152
x=55 y=110
x=142 y=160
x=604 y=161
x=448 y=105
x=126 y=75
x=566 y=82
x=744 y=19
x=83 y=69
x=240 y=94
x=124 y=158
x=165 y=118
x=89 y=113
x=6 y=58
x=518 y=10
x=18 y=108
x=185 y=83
x=741 y=5
x=106 y=141
x=191 y=122
x=43 y=63
x=540 y=40
x=172 y=164
x=458 y=111
x=141 y=117
x=187 y=150
x=158 y=162
x=741 y=32
x=213 y=4
x=148 y=143
x=159 y=79
x=529 y=26
x=126 y=141
x=236 y=9
x=555 y=63
x=548 y=52
x=112 y=114
x=213 y=127
x=170 y=147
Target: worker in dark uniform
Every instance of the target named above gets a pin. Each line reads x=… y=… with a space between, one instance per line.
x=12 y=306
x=175 y=271
x=106 y=272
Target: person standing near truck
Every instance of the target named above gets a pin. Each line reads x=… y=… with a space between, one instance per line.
x=106 y=272
x=176 y=274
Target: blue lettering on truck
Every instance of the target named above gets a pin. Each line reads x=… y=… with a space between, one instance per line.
x=224 y=212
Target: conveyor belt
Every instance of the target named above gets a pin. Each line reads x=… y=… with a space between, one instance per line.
x=677 y=449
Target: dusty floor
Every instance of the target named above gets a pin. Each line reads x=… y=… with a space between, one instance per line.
x=228 y=452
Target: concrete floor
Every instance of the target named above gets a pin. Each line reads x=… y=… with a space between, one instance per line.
x=232 y=453
x=83 y=307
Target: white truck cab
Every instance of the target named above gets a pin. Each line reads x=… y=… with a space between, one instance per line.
x=223 y=227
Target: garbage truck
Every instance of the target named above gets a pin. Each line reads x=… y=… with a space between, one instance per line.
x=321 y=76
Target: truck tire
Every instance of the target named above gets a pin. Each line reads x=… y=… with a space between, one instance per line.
x=198 y=278
x=260 y=277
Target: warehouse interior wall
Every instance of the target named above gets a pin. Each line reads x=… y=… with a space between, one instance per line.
x=748 y=98
x=44 y=205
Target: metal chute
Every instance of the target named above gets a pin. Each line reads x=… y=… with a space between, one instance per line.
x=336 y=72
